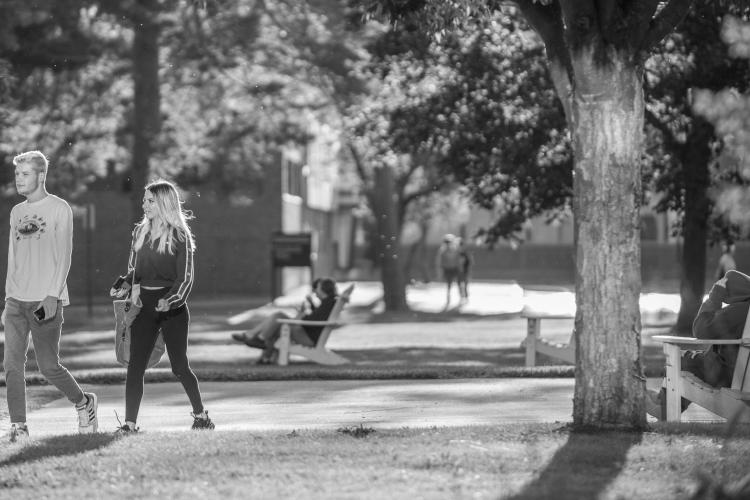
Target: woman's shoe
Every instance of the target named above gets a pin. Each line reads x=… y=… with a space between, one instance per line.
x=126 y=429
x=202 y=422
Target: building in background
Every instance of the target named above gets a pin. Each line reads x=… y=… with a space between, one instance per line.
x=319 y=196
x=306 y=190
x=547 y=253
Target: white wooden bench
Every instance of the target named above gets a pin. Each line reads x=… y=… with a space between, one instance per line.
x=534 y=343
x=318 y=353
x=731 y=403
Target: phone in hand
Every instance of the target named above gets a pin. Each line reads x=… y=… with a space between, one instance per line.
x=39 y=313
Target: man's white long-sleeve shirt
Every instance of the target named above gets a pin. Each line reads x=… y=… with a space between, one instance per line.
x=40 y=249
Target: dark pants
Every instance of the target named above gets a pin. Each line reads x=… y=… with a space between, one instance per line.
x=174 y=327
x=270 y=331
x=715 y=366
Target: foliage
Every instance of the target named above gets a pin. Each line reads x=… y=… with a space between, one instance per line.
x=236 y=87
x=729 y=110
x=691 y=57
x=395 y=81
x=67 y=101
x=493 y=122
x=238 y=80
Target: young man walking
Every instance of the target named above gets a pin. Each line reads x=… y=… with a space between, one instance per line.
x=39 y=254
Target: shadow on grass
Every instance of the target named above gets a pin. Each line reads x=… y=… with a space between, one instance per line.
x=717 y=430
x=58 y=446
x=435 y=317
x=583 y=468
x=80 y=357
x=386 y=363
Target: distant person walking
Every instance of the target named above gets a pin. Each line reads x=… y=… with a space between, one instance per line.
x=448 y=262
x=39 y=254
x=464 y=272
x=161 y=261
x=726 y=261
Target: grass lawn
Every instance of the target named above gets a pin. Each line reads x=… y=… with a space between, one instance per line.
x=512 y=461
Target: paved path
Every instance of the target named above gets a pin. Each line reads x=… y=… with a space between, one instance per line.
x=284 y=406
x=287 y=405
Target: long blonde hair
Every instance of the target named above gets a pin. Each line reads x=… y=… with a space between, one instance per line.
x=169 y=221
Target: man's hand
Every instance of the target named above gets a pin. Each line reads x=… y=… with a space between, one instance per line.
x=49 y=304
x=162 y=305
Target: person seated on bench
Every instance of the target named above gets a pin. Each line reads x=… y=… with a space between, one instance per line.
x=715 y=365
x=265 y=335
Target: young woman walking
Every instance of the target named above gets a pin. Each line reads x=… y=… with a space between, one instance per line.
x=161 y=262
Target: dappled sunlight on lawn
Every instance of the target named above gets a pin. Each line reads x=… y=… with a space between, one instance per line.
x=484 y=298
x=655 y=307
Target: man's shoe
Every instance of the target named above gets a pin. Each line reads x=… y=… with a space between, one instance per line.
x=202 y=423
x=656 y=404
x=18 y=432
x=125 y=429
x=87 y=420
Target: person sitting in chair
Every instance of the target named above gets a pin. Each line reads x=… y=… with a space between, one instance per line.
x=265 y=335
x=715 y=365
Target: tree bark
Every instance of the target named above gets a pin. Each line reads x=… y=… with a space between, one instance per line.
x=608 y=117
x=695 y=159
x=383 y=199
x=146 y=101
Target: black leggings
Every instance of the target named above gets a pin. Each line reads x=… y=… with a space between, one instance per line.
x=174 y=327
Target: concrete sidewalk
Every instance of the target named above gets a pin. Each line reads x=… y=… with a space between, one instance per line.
x=283 y=406
x=478 y=334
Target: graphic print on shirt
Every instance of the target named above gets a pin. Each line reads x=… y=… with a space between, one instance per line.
x=30 y=226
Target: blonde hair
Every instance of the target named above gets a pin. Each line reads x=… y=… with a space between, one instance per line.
x=35 y=158
x=169 y=221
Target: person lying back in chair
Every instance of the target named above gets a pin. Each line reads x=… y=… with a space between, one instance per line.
x=265 y=335
x=715 y=365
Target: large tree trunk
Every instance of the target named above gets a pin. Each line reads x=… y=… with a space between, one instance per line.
x=695 y=159
x=608 y=113
x=146 y=100
x=383 y=199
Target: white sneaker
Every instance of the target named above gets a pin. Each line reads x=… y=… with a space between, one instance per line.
x=18 y=432
x=87 y=421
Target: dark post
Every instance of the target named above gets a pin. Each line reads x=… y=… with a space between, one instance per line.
x=289 y=250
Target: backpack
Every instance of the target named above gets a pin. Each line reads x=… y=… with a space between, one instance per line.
x=450 y=257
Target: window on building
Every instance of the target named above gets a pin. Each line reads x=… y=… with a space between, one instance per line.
x=293 y=179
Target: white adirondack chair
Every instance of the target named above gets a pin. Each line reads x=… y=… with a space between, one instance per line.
x=534 y=343
x=319 y=353
x=730 y=403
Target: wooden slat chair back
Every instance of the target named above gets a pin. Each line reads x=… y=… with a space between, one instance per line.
x=741 y=380
x=741 y=376
x=320 y=353
x=731 y=403
x=535 y=344
x=338 y=307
